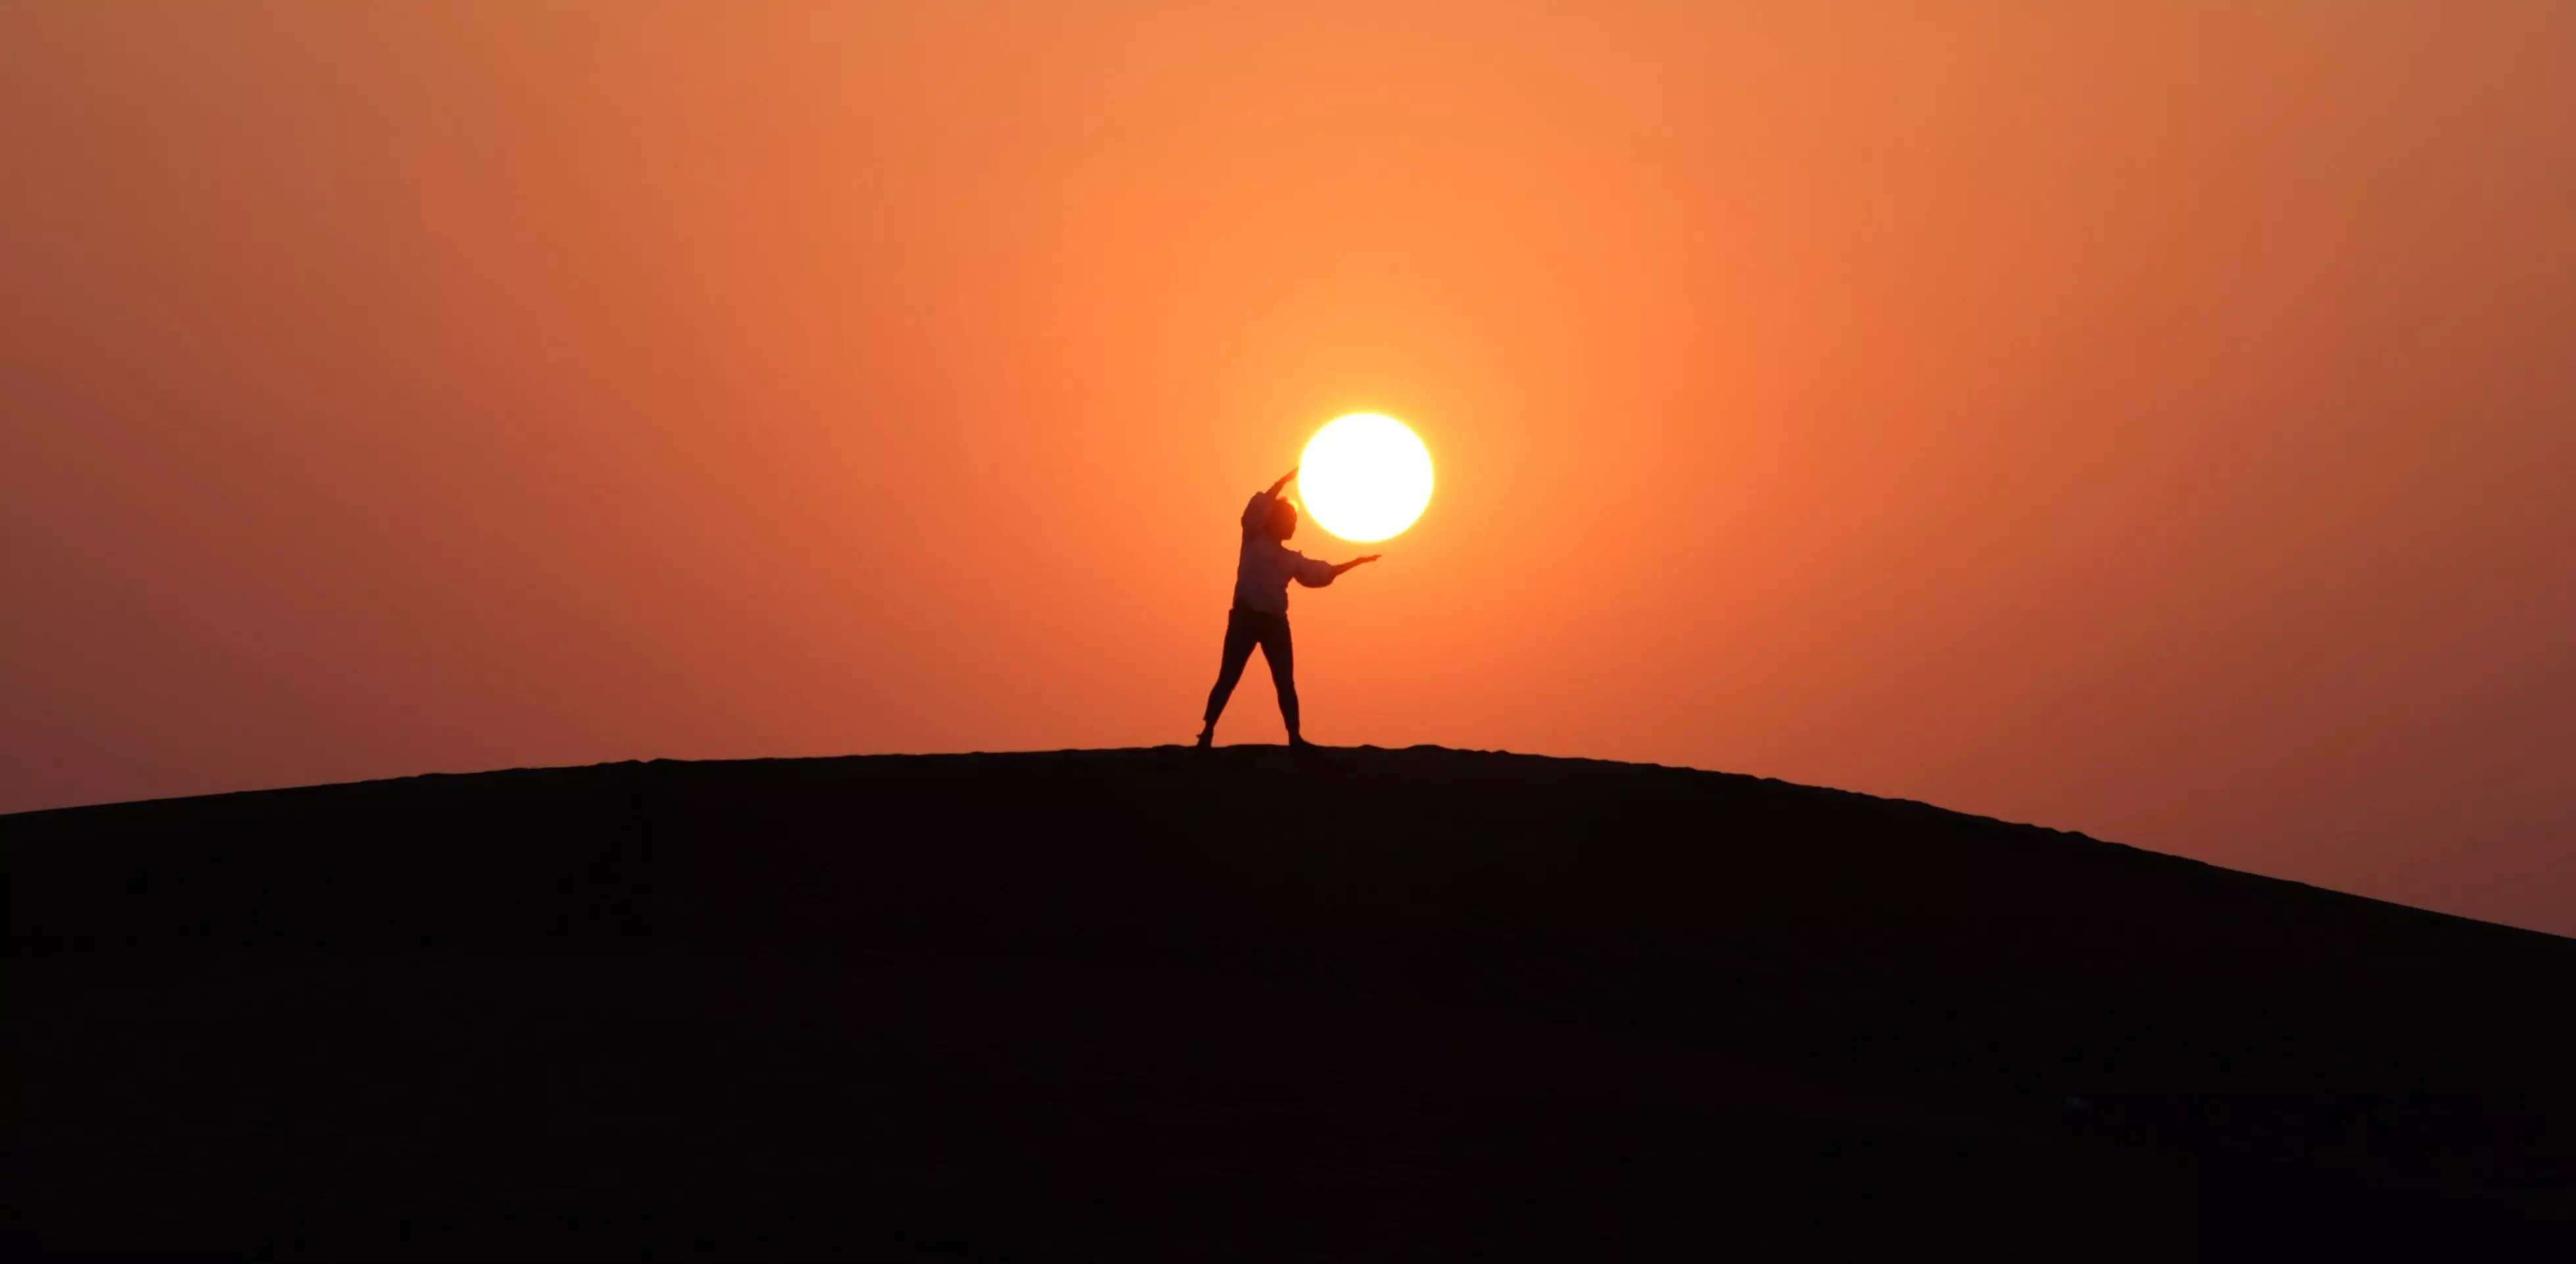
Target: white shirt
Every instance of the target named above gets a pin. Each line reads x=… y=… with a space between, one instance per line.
x=1262 y=573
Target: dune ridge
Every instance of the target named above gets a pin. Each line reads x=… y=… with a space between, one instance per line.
x=1170 y=1004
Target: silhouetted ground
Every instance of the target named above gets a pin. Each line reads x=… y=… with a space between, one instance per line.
x=1156 y=1004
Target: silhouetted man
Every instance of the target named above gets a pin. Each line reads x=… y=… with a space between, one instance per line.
x=1260 y=614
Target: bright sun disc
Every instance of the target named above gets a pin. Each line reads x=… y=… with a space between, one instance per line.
x=1364 y=477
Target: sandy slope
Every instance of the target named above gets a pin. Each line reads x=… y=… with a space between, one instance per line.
x=1158 y=1004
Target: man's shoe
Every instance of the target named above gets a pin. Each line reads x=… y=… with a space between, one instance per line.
x=1205 y=741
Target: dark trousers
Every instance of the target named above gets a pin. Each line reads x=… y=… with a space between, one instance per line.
x=1243 y=630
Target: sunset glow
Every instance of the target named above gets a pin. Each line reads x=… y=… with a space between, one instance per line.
x=2149 y=420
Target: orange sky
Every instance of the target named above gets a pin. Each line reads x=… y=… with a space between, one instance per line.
x=2159 y=422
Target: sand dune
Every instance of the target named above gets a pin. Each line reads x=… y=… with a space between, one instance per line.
x=1240 y=1005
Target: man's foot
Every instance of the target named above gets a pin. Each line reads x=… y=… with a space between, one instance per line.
x=1207 y=738
x=1296 y=742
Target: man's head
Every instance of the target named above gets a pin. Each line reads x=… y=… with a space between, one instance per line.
x=1283 y=520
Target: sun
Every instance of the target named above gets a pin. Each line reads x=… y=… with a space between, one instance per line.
x=1364 y=477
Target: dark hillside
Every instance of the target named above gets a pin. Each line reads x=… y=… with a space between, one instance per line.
x=1160 y=1004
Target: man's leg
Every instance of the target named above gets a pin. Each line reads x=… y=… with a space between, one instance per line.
x=1239 y=638
x=1282 y=656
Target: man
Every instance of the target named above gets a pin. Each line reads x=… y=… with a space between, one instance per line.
x=1260 y=614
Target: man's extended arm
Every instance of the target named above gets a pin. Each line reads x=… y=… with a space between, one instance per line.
x=1283 y=482
x=1315 y=572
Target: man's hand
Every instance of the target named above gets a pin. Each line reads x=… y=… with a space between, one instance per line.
x=1283 y=480
x=1356 y=561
